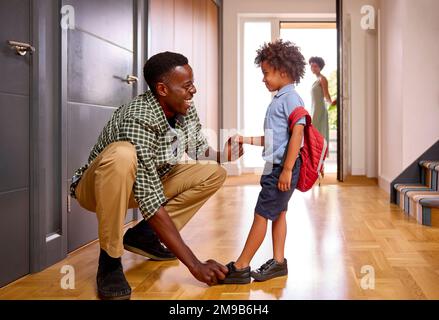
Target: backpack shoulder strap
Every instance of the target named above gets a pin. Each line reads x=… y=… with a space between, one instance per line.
x=296 y=115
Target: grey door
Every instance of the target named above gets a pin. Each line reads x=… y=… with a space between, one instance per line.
x=99 y=54
x=14 y=141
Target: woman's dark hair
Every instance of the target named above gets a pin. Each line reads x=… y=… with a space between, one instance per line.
x=159 y=65
x=317 y=60
x=283 y=56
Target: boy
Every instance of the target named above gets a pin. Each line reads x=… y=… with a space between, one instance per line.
x=282 y=65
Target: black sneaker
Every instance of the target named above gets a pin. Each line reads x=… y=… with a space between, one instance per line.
x=236 y=276
x=141 y=239
x=269 y=270
x=111 y=281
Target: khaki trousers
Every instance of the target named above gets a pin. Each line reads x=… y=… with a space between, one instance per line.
x=106 y=188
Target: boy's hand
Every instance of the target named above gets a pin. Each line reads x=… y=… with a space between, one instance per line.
x=239 y=139
x=233 y=150
x=284 y=183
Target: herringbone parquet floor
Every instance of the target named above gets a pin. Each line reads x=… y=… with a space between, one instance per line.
x=344 y=242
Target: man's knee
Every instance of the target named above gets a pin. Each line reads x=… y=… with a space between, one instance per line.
x=123 y=156
x=219 y=174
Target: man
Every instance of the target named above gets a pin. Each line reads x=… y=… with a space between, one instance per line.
x=134 y=164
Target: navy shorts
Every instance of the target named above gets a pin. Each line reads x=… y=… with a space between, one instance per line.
x=272 y=201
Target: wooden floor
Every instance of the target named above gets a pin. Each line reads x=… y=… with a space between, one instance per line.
x=333 y=232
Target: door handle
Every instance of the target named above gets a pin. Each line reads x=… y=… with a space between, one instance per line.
x=20 y=47
x=131 y=79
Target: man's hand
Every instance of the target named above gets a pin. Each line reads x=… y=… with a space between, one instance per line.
x=233 y=150
x=209 y=272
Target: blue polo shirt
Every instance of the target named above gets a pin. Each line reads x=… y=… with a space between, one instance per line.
x=276 y=127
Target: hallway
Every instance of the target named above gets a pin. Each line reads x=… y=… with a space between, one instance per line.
x=334 y=231
x=61 y=83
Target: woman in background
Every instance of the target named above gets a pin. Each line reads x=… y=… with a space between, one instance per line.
x=320 y=94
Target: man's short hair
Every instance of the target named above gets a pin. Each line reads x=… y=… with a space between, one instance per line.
x=159 y=65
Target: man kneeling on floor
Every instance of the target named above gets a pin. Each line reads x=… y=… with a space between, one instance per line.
x=134 y=164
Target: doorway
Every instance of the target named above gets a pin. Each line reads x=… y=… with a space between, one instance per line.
x=318 y=39
x=315 y=38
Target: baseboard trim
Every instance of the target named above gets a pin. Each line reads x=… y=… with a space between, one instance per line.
x=384 y=183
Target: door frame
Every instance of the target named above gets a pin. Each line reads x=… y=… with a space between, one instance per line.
x=341 y=155
x=44 y=249
x=219 y=5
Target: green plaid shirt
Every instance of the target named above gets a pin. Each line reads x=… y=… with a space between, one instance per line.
x=159 y=147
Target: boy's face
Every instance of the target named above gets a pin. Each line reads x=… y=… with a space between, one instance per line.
x=274 y=79
x=178 y=89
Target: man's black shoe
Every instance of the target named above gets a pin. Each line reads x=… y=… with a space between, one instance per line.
x=141 y=239
x=111 y=281
x=236 y=276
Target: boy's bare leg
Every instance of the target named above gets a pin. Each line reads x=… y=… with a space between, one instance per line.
x=279 y=234
x=254 y=240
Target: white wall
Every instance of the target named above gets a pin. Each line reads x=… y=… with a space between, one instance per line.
x=410 y=90
x=391 y=91
x=420 y=74
x=363 y=99
x=231 y=10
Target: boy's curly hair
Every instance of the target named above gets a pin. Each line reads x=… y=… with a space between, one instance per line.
x=283 y=56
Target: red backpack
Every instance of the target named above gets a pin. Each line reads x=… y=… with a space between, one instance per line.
x=313 y=152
